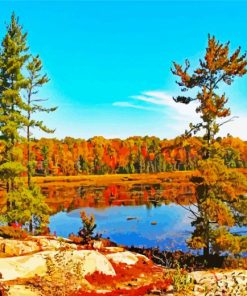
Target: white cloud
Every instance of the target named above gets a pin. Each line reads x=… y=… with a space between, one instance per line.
x=178 y=116
x=177 y=111
x=237 y=127
x=130 y=105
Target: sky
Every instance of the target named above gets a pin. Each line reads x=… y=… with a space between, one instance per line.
x=109 y=62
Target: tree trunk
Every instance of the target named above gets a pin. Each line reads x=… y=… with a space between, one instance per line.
x=28 y=159
x=31 y=226
x=28 y=141
x=206 y=251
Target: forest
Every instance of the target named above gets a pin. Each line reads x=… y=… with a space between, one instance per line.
x=212 y=189
x=133 y=155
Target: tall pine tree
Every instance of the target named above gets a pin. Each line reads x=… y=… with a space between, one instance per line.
x=24 y=205
x=13 y=56
x=218 y=190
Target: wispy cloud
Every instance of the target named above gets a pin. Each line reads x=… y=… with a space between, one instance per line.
x=177 y=116
x=180 y=112
x=236 y=128
x=130 y=105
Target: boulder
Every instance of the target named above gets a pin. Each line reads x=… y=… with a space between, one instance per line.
x=83 y=262
x=10 y=247
x=22 y=267
x=21 y=290
x=114 y=249
x=98 y=245
x=53 y=244
x=125 y=257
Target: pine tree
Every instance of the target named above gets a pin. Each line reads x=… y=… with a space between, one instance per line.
x=218 y=191
x=24 y=205
x=13 y=56
x=35 y=81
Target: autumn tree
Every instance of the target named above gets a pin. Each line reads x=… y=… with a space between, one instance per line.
x=218 y=192
x=218 y=196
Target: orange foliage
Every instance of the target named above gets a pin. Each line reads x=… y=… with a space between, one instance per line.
x=125 y=274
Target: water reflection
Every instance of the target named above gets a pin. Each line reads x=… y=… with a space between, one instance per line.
x=138 y=214
x=170 y=232
x=72 y=197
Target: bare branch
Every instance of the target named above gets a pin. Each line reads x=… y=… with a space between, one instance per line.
x=229 y=120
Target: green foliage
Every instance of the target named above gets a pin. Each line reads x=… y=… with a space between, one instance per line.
x=13 y=56
x=45 y=153
x=19 y=74
x=27 y=207
x=181 y=280
x=223 y=240
x=10 y=170
x=11 y=232
x=217 y=208
x=12 y=81
x=35 y=80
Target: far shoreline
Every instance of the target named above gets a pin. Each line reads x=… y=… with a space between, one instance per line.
x=144 y=178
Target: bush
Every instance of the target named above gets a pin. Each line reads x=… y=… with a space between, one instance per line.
x=86 y=232
x=75 y=239
x=12 y=232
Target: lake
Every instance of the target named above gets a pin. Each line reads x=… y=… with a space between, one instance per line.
x=143 y=215
x=138 y=214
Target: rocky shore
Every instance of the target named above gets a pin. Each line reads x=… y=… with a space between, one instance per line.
x=43 y=265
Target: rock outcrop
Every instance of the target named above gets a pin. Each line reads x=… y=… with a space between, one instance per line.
x=13 y=247
x=84 y=261
x=26 y=265
x=218 y=283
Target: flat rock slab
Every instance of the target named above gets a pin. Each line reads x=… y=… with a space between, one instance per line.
x=12 y=247
x=20 y=290
x=83 y=261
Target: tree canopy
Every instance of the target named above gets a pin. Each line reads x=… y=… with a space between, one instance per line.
x=218 y=191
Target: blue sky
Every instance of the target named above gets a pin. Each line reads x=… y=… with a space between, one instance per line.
x=109 y=62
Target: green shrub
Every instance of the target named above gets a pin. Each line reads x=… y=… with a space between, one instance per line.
x=86 y=232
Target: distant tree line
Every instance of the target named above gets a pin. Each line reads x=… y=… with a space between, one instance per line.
x=133 y=155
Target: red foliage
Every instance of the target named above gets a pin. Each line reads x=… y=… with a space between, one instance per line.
x=125 y=274
x=117 y=156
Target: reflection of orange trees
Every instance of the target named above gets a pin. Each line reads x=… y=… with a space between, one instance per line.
x=70 y=198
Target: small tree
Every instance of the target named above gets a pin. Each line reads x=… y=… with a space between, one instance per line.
x=218 y=191
x=27 y=207
x=88 y=222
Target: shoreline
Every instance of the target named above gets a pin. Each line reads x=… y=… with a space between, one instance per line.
x=115 y=178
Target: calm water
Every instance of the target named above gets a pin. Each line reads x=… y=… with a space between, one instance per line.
x=170 y=232
x=125 y=213
x=112 y=207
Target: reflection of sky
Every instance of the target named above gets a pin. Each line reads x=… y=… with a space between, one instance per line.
x=171 y=230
